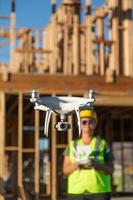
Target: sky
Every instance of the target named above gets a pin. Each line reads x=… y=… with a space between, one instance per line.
x=30 y=14
x=33 y=13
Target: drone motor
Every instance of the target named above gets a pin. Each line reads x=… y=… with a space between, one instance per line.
x=34 y=96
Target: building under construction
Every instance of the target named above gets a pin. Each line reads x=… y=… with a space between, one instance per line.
x=82 y=47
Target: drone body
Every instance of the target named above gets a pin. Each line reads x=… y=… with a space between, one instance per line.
x=62 y=106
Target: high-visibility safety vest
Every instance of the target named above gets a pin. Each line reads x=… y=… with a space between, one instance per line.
x=90 y=180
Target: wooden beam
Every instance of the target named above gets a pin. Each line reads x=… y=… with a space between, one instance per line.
x=58 y=83
x=37 y=50
x=99 y=40
x=11 y=148
x=114 y=100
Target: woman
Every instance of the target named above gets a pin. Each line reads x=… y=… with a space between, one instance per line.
x=88 y=163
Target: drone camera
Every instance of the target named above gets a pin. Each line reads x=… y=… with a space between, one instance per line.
x=63 y=126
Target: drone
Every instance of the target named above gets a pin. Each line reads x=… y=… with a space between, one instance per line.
x=62 y=106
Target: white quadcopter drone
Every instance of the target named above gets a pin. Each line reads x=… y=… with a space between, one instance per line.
x=62 y=106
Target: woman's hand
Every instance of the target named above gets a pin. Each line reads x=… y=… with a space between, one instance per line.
x=107 y=168
x=68 y=166
x=90 y=164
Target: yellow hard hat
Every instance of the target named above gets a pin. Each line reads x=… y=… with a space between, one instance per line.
x=88 y=114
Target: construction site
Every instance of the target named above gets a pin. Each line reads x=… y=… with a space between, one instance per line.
x=83 y=47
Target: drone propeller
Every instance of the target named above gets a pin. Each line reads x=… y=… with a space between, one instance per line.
x=30 y=94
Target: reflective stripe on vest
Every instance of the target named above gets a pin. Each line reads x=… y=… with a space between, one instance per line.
x=90 y=180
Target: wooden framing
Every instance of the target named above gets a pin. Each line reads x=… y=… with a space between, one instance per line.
x=52 y=190
x=61 y=51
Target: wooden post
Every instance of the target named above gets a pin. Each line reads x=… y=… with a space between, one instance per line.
x=69 y=138
x=20 y=104
x=20 y=146
x=59 y=46
x=122 y=151
x=100 y=25
x=53 y=3
x=12 y=36
x=24 y=56
x=128 y=38
x=54 y=156
x=30 y=54
x=2 y=143
x=54 y=45
x=48 y=186
x=38 y=56
x=70 y=54
x=18 y=57
x=65 y=64
x=114 y=58
x=82 y=51
x=46 y=45
x=89 y=46
x=36 y=136
x=76 y=44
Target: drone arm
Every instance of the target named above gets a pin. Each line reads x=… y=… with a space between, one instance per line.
x=47 y=120
x=78 y=118
x=40 y=107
